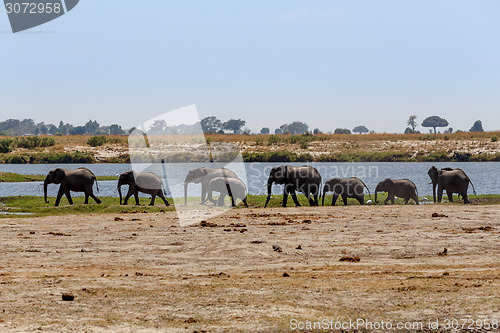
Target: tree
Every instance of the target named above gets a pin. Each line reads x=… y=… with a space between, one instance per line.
x=295 y=128
x=434 y=121
x=408 y=130
x=79 y=130
x=115 y=129
x=316 y=131
x=158 y=127
x=43 y=129
x=211 y=124
x=278 y=131
x=342 y=131
x=412 y=122
x=477 y=127
x=360 y=129
x=264 y=130
x=234 y=125
x=91 y=127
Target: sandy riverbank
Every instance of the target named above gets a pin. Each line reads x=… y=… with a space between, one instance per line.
x=143 y=271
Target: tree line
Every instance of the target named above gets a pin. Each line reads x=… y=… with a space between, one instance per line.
x=15 y=127
x=209 y=125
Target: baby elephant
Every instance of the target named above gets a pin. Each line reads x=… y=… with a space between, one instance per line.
x=145 y=182
x=402 y=188
x=347 y=188
x=233 y=187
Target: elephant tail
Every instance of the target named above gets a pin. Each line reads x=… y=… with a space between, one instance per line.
x=96 y=184
x=473 y=188
x=369 y=194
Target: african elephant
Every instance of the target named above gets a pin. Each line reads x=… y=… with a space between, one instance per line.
x=347 y=188
x=305 y=179
x=402 y=188
x=233 y=187
x=451 y=180
x=145 y=182
x=79 y=180
x=204 y=176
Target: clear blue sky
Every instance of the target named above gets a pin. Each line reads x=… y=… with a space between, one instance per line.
x=327 y=63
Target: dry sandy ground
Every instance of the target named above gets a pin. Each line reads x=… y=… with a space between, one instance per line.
x=146 y=273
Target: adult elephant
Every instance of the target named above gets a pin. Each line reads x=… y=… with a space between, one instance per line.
x=451 y=180
x=305 y=179
x=79 y=180
x=402 y=188
x=204 y=176
x=232 y=187
x=145 y=182
x=347 y=188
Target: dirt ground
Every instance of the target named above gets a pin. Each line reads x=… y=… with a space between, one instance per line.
x=256 y=270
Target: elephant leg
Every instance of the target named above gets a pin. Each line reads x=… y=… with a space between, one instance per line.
x=59 y=196
x=203 y=194
x=450 y=196
x=406 y=201
x=387 y=199
x=129 y=194
x=440 y=193
x=316 y=199
x=309 y=197
x=466 y=198
x=344 y=199
x=153 y=197
x=361 y=199
x=334 y=199
x=136 y=197
x=160 y=194
x=221 y=200
x=86 y=198
x=68 y=196
x=96 y=199
x=285 y=198
x=245 y=202
x=294 y=197
x=416 y=200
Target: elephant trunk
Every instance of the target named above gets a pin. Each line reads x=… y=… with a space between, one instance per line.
x=119 y=188
x=376 y=192
x=185 y=192
x=45 y=183
x=434 y=191
x=269 y=186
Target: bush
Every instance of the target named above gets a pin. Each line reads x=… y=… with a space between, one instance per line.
x=272 y=140
x=494 y=138
x=97 y=141
x=31 y=142
x=5 y=146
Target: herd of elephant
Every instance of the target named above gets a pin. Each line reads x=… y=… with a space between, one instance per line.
x=304 y=179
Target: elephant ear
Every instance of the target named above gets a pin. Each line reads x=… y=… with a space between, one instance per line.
x=59 y=175
x=388 y=183
x=433 y=173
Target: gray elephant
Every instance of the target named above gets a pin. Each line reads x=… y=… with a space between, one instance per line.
x=233 y=187
x=451 y=180
x=79 y=180
x=347 y=188
x=402 y=188
x=305 y=179
x=145 y=182
x=204 y=176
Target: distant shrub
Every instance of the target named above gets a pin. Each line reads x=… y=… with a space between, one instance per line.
x=272 y=140
x=5 y=146
x=97 y=141
x=31 y=142
x=494 y=138
x=115 y=140
x=427 y=137
x=446 y=138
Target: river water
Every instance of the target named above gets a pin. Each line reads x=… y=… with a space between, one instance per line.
x=485 y=176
